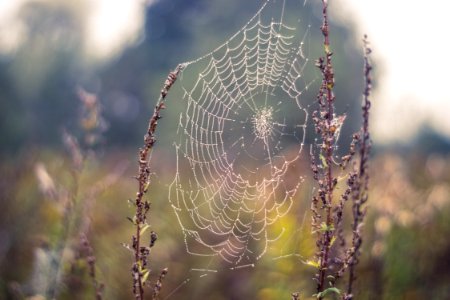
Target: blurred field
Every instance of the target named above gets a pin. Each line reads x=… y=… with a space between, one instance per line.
x=406 y=250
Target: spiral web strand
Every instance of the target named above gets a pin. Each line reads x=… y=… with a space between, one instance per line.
x=242 y=128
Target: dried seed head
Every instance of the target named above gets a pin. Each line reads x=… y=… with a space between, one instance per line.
x=153 y=238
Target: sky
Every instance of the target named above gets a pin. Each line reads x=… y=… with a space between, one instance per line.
x=408 y=37
x=410 y=43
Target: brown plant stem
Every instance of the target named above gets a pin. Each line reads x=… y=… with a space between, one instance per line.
x=328 y=146
x=360 y=196
x=158 y=284
x=89 y=256
x=141 y=253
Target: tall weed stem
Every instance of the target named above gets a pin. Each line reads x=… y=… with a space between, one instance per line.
x=140 y=271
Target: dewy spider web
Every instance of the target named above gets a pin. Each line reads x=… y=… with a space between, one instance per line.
x=242 y=128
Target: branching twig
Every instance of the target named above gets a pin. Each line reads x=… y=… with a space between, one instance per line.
x=327 y=216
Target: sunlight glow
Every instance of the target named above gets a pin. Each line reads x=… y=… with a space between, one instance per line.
x=12 y=30
x=108 y=26
x=409 y=42
x=113 y=25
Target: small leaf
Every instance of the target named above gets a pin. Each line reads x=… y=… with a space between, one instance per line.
x=143 y=229
x=147 y=184
x=132 y=220
x=324 y=227
x=145 y=276
x=333 y=239
x=323 y=160
x=312 y=263
x=327 y=292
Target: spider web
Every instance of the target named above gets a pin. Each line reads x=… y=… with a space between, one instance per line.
x=240 y=131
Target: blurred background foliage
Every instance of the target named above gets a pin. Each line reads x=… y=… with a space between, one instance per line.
x=50 y=86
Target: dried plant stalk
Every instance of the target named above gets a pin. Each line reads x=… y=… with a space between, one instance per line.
x=326 y=126
x=140 y=269
x=327 y=216
x=361 y=186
